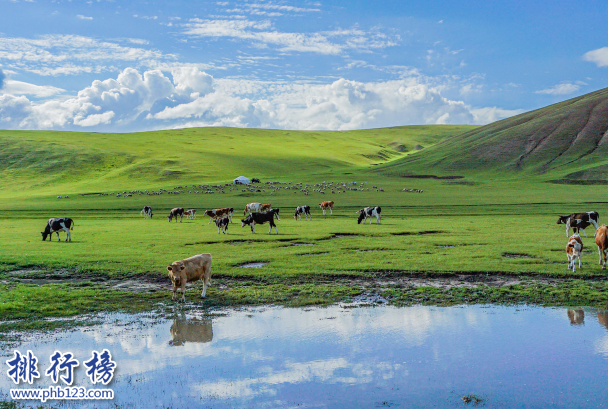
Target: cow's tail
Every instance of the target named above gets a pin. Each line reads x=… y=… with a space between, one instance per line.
x=72 y=226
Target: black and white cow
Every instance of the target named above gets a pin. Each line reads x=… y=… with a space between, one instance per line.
x=369 y=212
x=302 y=210
x=579 y=221
x=222 y=224
x=260 y=218
x=147 y=212
x=57 y=224
x=175 y=212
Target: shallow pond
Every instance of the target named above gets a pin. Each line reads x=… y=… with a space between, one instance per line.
x=341 y=357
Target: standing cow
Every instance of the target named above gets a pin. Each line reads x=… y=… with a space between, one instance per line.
x=369 y=212
x=189 y=270
x=574 y=250
x=579 y=221
x=176 y=212
x=54 y=225
x=305 y=210
x=327 y=205
x=601 y=240
x=147 y=212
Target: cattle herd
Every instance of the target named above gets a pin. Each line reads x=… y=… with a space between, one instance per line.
x=199 y=267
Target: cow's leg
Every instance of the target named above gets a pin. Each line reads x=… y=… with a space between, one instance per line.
x=567 y=228
x=604 y=253
x=58 y=238
x=580 y=256
x=183 y=290
x=218 y=229
x=599 y=250
x=69 y=238
x=378 y=219
x=210 y=220
x=253 y=228
x=331 y=211
x=174 y=292
x=583 y=232
x=204 y=288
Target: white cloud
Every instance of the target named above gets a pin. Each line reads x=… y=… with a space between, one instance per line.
x=24 y=88
x=71 y=54
x=152 y=100
x=560 y=89
x=599 y=57
x=262 y=33
x=80 y=16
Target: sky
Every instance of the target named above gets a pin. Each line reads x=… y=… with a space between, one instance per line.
x=114 y=66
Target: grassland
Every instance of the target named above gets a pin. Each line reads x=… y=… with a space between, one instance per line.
x=484 y=237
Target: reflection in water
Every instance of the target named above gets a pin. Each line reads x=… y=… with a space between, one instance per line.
x=577 y=317
x=602 y=317
x=190 y=330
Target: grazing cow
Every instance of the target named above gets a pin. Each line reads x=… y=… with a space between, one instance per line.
x=601 y=240
x=147 y=212
x=190 y=214
x=302 y=210
x=222 y=224
x=369 y=212
x=215 y=213
x=579 y=221
x=189 y=270
x=265 y=207
x=252 y=207
x=327 y=205
x=260 y=218
x=255 y=180
x=175 y=212
x=54 y=225
x=574 y=250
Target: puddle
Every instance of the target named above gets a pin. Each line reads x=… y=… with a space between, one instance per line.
x=517 y=255
x=314 y=254
x=253 y=265
x=302 y=244
x=419 y=233
x=448 y=246
x=339 y=357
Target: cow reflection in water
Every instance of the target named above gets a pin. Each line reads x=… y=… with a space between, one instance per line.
x=192 y=330
x=602 y=317
x=577 y=317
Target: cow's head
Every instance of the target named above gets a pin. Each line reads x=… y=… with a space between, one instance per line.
x=562 y=219
x=361 y=216
x=170 y=217
x=276 y=213
x=44 y=235
x=174 y=271
x=246 y=221
x=208 y=213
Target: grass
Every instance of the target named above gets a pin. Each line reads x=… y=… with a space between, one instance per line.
x=486 y=227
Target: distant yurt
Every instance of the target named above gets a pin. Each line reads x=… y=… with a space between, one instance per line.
x=241 y=180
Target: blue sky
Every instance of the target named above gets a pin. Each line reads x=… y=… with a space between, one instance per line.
x=116 y=66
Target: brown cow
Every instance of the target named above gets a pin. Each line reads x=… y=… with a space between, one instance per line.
x=265 y=207
x=327 y=205
x=176 y=212
x=217 y=213
x=190 y=214
x=193 y=330
x=574 y=250
x=601 y=239
x=189 y=270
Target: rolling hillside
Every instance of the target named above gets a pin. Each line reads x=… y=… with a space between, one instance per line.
x=566 y=141
x=43 y=162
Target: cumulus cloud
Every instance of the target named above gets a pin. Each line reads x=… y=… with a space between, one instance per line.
x=599 y=57
x=560 y=89
x=191 y=97
x=24 y=88
x=2 y=79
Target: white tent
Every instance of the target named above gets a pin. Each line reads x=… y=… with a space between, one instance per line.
x=241 y=180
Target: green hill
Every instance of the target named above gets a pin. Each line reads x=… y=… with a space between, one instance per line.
x=566 y=141
x=43 y=162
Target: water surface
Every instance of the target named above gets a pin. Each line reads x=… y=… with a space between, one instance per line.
x=341 y=357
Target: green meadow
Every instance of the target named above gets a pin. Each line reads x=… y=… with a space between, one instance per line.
x=468 y=237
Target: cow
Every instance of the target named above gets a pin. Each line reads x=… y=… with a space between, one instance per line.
x=190 y=214
x=601 y=240
x=190 y=270
x=255 y=180
x=222 y=224
x=327 y=205
x=369 y=212
x=252 y=207
x=215 y=213
x=579 y=221
x=175 y=212
x=305 y=210
x=54 y=225
x=574 y=250
x=265 y=207
x=260 y=218
x=147 y=212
